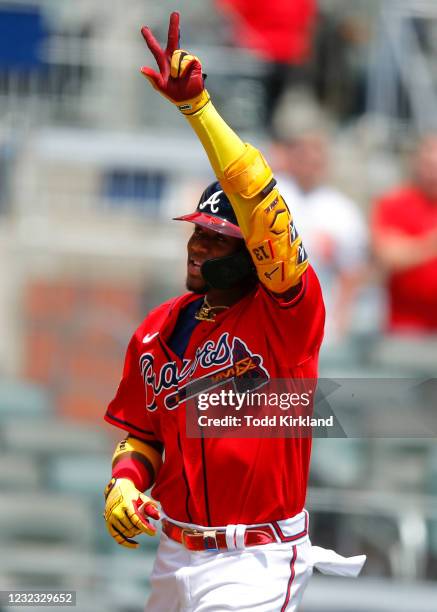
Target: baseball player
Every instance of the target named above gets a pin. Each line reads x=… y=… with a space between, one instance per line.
x=234 y=528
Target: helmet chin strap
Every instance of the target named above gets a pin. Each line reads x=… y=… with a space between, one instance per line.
x=229 y=271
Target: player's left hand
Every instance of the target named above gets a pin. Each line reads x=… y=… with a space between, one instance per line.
x=180 y=73
x=126 y=512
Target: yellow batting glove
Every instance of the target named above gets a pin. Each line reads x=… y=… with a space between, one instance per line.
x=126 y=510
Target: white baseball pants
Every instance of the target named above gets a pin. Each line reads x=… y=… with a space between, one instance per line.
x=266 y=578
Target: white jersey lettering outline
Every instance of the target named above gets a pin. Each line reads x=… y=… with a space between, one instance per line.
x=211 y=353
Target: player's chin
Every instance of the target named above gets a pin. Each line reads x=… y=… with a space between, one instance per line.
x=196 y=284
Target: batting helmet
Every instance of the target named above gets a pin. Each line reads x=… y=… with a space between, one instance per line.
x=214 y=212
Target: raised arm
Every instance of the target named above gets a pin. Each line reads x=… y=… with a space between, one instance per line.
x=264 y=219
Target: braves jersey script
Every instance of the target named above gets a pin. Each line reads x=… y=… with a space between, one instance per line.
x=220 y=481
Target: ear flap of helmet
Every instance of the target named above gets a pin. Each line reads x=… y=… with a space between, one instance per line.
x=229 y=271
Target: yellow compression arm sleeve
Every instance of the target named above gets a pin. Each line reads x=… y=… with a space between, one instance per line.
x=265 y=221
x=221 y=143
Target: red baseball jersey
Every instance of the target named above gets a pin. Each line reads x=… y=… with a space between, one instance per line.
x=412 y=292
x=220 y=481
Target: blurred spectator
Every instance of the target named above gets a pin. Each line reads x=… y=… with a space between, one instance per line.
x=340 y=59
x=404 y=228
x=331 y=226
x=278 y=31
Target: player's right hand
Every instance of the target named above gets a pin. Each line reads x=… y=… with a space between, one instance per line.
x=125 y=513
x=180 y=76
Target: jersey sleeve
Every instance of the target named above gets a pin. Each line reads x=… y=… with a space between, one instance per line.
x=296 y=325
x=128 y=408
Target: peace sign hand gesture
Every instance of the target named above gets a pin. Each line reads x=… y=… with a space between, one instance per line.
x=180 y=77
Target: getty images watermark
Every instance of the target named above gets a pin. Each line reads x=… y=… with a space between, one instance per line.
x=263 y=410
x=334 y=408
x=230 y=399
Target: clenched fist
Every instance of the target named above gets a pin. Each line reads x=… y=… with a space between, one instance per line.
x=125 y=513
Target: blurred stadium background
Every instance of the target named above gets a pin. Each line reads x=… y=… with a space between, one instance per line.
x=92 y=167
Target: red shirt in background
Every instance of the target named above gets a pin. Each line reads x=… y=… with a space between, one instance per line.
x=279 y=30
x=412 y=292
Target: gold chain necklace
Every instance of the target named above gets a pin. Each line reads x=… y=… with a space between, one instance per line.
x=206 y=311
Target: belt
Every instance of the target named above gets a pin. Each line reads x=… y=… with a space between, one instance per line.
x=215 y=539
